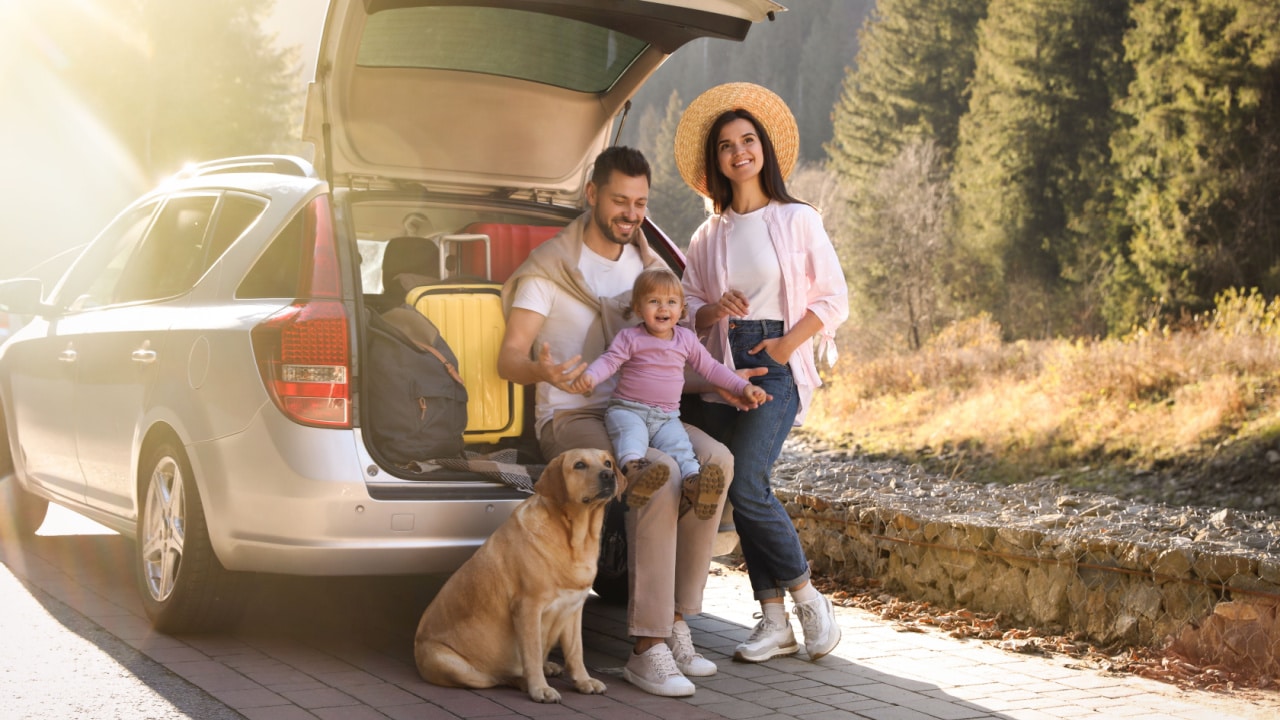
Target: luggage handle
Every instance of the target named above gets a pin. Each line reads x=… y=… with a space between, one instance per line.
x=451 y=239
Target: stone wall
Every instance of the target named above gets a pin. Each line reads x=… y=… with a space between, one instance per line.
x=1073 y=564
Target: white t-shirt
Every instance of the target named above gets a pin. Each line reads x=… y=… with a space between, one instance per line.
x=753 y=265
x=568 y=319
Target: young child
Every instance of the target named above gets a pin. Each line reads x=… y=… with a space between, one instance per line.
x=644 y=410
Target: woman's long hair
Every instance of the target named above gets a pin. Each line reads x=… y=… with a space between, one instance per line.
x=719 y=189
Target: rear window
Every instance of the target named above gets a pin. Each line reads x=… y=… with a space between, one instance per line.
x=496 y=41
x=277 y=274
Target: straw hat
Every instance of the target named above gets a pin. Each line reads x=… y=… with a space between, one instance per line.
x=762 y=103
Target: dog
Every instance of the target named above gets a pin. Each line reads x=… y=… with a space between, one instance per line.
x=496 y=619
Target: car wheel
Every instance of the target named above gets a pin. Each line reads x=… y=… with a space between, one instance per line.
x=21 y=513
x=184 y=588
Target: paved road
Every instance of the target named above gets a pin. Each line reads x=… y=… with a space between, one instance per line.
x=73 y=643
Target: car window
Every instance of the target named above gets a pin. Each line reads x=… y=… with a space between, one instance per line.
x=171 y=256
x=92 y=279
x=276 y=273
x=499 y=41
x=236 y=214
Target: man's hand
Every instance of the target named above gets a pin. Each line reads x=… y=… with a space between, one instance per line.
x=562 y=375
x=741 y=401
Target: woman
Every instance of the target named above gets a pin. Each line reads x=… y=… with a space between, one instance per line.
x=762 y=281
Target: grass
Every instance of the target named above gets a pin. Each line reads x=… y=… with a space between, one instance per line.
x=975 y=407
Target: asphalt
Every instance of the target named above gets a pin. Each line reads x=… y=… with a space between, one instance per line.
x=68 y=592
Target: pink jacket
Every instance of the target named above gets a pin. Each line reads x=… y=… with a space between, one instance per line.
x=811 y=280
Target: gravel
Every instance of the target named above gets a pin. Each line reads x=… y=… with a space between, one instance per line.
x=1127 y=510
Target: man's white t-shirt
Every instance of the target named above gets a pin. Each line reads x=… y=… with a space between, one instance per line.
x=576 y=324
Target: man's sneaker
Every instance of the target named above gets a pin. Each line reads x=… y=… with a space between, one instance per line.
x=643 y=480
x=702 y=492
x=688 y=660
x=769 y=640
x=818 y=621
x=654 y=671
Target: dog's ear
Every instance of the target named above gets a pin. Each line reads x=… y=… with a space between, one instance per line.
x=551 y=482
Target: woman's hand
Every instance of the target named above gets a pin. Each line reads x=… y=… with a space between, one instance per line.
x=732 y=304
x=776 y=348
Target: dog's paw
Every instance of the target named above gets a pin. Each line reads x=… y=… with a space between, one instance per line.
x=551 y=669
x=590 y=686
x=545 y=695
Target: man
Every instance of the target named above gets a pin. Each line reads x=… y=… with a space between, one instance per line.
x=563 y=306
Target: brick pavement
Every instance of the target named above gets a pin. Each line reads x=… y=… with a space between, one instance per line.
x=877 y=672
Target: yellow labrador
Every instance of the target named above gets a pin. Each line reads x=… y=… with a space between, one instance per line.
x=497 y=618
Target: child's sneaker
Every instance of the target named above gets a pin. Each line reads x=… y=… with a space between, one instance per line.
x=702 y=492
x=643 y=480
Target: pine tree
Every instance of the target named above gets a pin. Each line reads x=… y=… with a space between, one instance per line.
x=914 y=63
x=1033 y=167
x=1200 y=162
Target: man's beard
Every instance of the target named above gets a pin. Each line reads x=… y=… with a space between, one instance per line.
x=606 y=228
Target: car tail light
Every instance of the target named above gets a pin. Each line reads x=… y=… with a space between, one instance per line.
x=304 y=351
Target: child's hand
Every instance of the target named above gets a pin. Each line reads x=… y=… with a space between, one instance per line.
x=755 y=395
x=584 y=384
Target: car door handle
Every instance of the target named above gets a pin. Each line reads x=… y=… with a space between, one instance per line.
x=144 y=355
x=67 y=356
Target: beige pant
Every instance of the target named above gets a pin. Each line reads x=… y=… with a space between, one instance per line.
x=668 y=556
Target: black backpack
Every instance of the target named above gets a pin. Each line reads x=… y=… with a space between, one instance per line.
x=417 y=405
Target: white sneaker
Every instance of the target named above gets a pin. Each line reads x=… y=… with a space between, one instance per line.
x=769 y=640
x=654 y=671
x=690 y=662
x=818 y=621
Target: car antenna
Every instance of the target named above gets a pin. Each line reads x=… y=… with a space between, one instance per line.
x=626 y=109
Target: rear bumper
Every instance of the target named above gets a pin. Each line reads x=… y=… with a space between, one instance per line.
x=283 y=498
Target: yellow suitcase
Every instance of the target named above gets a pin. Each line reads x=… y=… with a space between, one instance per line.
x=469 y=315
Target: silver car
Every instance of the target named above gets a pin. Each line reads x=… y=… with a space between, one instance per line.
x=194 y=381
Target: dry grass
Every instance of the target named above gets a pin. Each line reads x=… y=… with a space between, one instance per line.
x=1022 y=409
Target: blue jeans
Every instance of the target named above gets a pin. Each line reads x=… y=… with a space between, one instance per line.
x=634 y=427
x=770 y=544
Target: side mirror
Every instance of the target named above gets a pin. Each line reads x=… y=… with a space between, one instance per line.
x=22 y=296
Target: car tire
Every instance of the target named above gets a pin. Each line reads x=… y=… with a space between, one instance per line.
x=24 y=512
x=183 y=586
x=21 y=513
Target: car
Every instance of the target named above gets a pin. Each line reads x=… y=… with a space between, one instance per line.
x=196 y=379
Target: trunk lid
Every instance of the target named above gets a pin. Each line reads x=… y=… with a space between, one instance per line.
x=506 y=98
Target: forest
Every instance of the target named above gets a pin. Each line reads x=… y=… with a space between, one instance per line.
x=1071 y=168
x=1068 y=168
